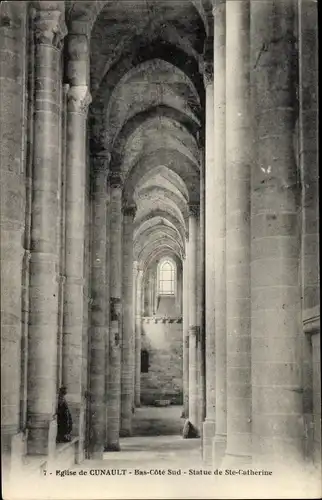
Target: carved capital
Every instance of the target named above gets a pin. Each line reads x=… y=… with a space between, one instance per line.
x=101 y=162
x=78 y=99
x=129 y=210
x=49 y=26
x=61 y=279
x=218 y=6
x=115 y=308
x=194 y=209
x=208 y=73
x=206 y=64
x=78 y=47
x=115 y=179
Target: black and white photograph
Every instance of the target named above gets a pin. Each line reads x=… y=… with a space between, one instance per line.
x=159 y=230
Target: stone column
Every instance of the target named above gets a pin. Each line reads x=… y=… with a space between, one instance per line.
x=134 y=302
x=308 y=162
x=12 y=215
x=128 y=338
x=219 y=229
x=99 y=328
x=210 y=220
x=43 y=303
x=238 y=149
x=276 y=299
x=138 y=332
x=115 y=340
x=185 y=330
x=201 y=296
x=62 y=235
x=78 y=101
x=193 y=327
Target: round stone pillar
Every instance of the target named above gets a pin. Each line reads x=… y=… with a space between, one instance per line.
x=12 y=218
x=135 y=276
x=219 y=229
x=193 y=327
x=277 y=411
x=78 y=100
x=210 y=220
x=308 y=157
x=43 y=301
x=201 y=296
x=238 y=149
x=99 y=328
x=138 y=333
x=128 y=337
x=115 y=339
x=185 y=329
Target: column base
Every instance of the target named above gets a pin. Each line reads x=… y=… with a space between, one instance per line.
x=208 y=436
x=125 y=432
x=13 y=452
x=112 y=447
x=96 y=454
x=42 y=436
x=190 y=431
x=236 y=460
x=219 y=449
x=14 y=449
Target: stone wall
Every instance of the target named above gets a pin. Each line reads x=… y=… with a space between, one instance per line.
x=163 y=341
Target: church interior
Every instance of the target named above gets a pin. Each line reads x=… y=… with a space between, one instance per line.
x=160 y=231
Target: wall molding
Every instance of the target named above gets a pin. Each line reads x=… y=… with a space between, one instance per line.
x=311 y=320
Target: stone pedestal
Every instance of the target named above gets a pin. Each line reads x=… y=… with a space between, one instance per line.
x=99 y=329
x=277 y=408
x=128 y=337
x=115 y=339
x=43 y=308
x=238 y=157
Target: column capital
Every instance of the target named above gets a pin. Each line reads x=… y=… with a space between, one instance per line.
x=78 y=99
x=115 y=179
x=207 y=61
x=101 y=162
x=208 y=73
x=217 y=5
x=50 y=26
x=194 y=209
x=77 y=46
x=129 y=210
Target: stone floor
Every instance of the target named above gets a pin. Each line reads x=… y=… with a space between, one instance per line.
x=158 y=467
x=157 y=421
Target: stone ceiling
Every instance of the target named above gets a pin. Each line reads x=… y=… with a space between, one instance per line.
x=147 y=108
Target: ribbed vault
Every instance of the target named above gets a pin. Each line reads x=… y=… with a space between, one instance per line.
x=147 y=110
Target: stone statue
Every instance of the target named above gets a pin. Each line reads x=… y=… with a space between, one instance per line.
x=64 y=418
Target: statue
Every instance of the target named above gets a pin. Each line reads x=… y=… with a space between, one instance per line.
x=64 y=418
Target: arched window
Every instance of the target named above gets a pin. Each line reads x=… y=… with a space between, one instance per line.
x=166 y=278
